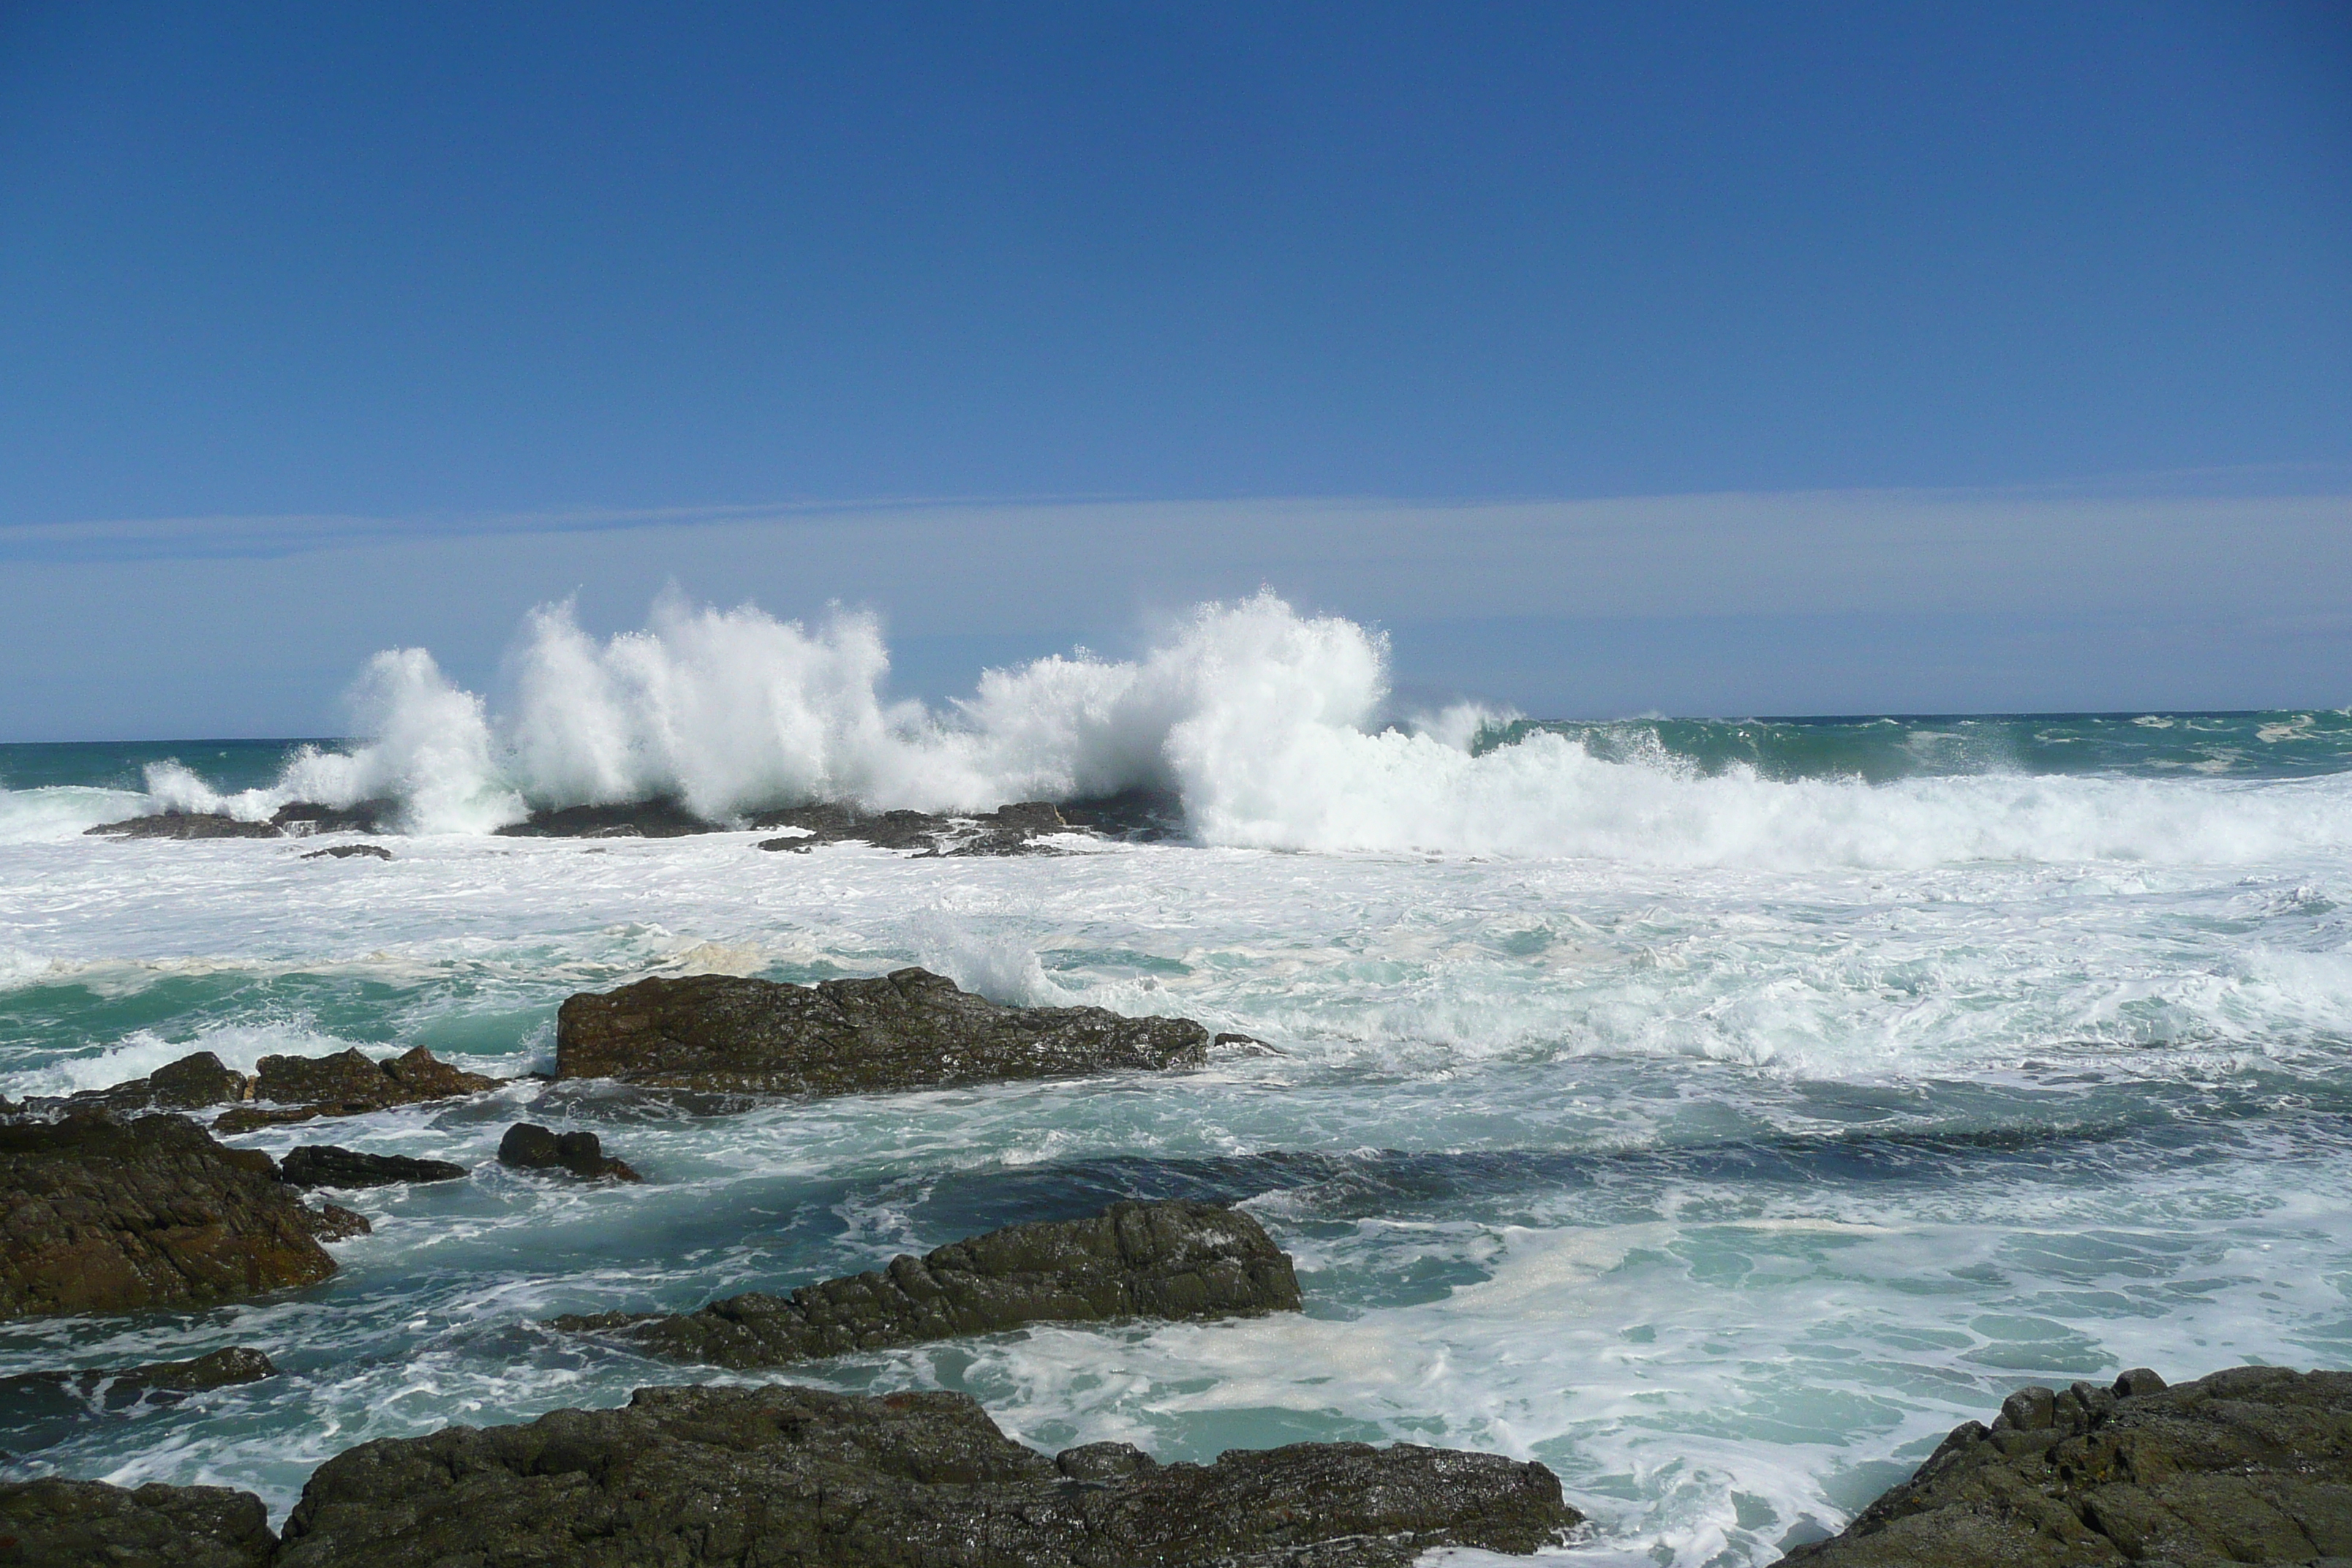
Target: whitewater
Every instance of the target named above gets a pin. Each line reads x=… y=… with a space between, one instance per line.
x=1716 y=1110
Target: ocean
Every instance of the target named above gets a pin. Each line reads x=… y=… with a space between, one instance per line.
x=1716 y=1110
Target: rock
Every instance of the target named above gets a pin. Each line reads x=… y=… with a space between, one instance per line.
x=329 y=1222
x=325 y=1165
x=2251 y=1464
x=99 y=1217
x=662 y=818
x=348 y=1083
x=55 y=1523
x=1008 y=830
x=908 y=1029
x=1174 y=1259
x=685 y=1477
x=302 y=818
x=531 y=1147
x=215 y=1369
x=349 y=851
x=188 y=824
x=192 y=1083
x=1135 y=816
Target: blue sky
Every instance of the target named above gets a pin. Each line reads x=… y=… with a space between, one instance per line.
x=304 y=309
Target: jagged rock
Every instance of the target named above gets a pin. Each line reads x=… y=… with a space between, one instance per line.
x=1173 y=1259
x=97 y=1215
x=186 y=824
x=302 y=818
x=661 y=818
x=907 y=1030
x=348 y=1083
x=2251 y=1464
x=330 y=1222
x=349 y=852
x=325 y=1165
x=531 y=1147
x=687 y=1476
x=1008 y=830
x=192 y=1083
x=56 y=1523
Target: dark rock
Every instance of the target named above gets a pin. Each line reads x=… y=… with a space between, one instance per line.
x=348 y=1083
x=329 y=1222
x=348 y=852
x=531 y=1147
x=1174 y=1259
x=1248 y=1044
x=325 y=1165
x=55 y=1523
x=188 y=824
x=1008 y=830
x=99 y=1216
x=302 y=818
x=685 y=1477
x=908 y=1029
x=643 y=819
x=2251 y=1464
x=1137 y=815
x=216 y=1369
x=192 y=1083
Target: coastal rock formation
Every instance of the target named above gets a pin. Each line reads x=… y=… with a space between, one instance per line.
x=216 y=1369
x=96 y=1216
x=2251 y=1465
x=349 y=1083
x=349 y=852
x=531 y=1147
x=325 y=1165
x=908 y=1029
x=298 y=819
x=685 y=1477
x=1008 y=830
x=658 y=819
x=52 y=1524
x=192 y=1083
x=1174 y=1259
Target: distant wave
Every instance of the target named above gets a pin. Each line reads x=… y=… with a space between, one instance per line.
x=1265 y=721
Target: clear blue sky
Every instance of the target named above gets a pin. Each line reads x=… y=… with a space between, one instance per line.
x=424 y=264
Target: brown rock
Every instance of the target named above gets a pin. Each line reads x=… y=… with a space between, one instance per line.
x=103 y=1217
x=348 y=1083
x=56 y=1523
x=908 y=1029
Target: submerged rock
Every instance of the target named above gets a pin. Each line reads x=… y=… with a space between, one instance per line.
x=99 y=1216
x=1173 y=1259
x=325 y=1165
x=659 y=818
x=215 y=1369
x=349 y=852
x=908 y=1029
x=685 y=1477
x=349 y=1083
x=2251 y=1464
x=56 y=1523
x=1008 y=830
x=531 y=1147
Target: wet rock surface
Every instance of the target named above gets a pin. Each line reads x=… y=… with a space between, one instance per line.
x=55 y=1523
x=192 y=1083
x=326 y=1166
x=1172 y=1259
x=531 y=1147
x=100 y=1215
x=349 y=1083
x=349 y=852
x=641 y=819
x=798 y=1476
x=907 y=1030
x=2251 y=1465
x=1014 y=829
x=298 y=819
x=41 y=1408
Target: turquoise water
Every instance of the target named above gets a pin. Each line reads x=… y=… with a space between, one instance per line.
x=1717 y=1111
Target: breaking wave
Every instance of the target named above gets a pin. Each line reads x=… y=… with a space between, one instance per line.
x=1266 y=722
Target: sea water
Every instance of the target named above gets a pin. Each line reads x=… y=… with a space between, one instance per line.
x=1717 y=1111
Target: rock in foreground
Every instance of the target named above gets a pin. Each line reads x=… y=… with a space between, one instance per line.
x=2251 y=1464
x=1174 y=1259
x=908 y=1029
x=57 y=1524
x=531 y=1147
x=685 y=1477
x=99 y=1217
x=325 y=1165
x=349 y=1083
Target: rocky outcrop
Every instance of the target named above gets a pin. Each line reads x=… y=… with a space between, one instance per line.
x=349 y=1083
x=298 y=819
x=121 y=1385
x=192 y=1083
x=97 y=1215
x=349 y=852
x=659 y=818
x=1174 y=1259
x=2251 y=1464
x=53 y=1523
x=325 y=1165
x=685 y=1477
x=531 y=1147
x=908 y=1029
x=1008 y=830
